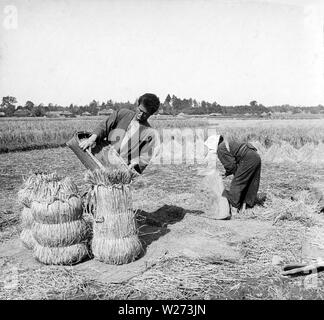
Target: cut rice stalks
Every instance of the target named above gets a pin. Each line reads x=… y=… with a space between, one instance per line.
x=115 y=235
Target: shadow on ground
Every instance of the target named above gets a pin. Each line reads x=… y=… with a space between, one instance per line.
x=154 y=225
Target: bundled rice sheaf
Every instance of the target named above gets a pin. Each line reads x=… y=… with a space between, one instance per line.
x=59 y=229
x=61 y=234
x=28 y=189
x=58 y=211
x=61 y=255
x=115 y=235
x=26 y=218
x=25 y=198
x=116 y=251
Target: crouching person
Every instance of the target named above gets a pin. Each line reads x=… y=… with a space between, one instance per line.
x=242 y=161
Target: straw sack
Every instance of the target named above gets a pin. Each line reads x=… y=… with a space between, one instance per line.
x=61 y=255
x=26 y=218
x=27 y=238
x=116 y=251
x=118 y=226
x=61 y=234
x=57 y=211
x=115 y=235
x=217 y=206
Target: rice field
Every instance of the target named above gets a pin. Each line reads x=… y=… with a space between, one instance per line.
x=27 y=133
x=170 y=198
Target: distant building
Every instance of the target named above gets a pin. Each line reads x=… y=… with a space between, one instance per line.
x=53 y=114
x=84 y=114
x=265 y=114
x=2 y=114
x=105 y=112
x=22 y=113
x=67 y=114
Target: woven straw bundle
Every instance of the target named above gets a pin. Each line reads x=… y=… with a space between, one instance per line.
x=60 y=232
x=61 y=255
x=25 y=197
x=57 y=211
x=26 y=218
x=115 y=235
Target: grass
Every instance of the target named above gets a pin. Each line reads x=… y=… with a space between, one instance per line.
x=28 y=134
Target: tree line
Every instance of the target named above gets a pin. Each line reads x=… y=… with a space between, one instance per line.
x=172 y=105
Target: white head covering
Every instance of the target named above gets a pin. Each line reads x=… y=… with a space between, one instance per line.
x=212 y=143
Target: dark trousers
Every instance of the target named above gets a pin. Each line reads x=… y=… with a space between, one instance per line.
x=245 y=184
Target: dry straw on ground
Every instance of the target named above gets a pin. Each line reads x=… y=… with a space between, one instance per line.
x=301 y=208
x=115 y=236
x=27 y=238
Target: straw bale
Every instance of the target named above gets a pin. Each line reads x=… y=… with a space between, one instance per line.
x=305 y=153
x=52 y=187
x=57 y=211
x=26 y=192
x=117 y=226
x=115 y=236
x=116 y=251
x=27 y=219
x=27 y=238
x=61 y=234
x=110 y=178
x=61 y=255
x=318 y=155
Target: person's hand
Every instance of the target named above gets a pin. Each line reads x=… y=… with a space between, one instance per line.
x=90 y=142
x=131 y=167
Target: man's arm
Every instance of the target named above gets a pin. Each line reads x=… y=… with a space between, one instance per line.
x=100 y=132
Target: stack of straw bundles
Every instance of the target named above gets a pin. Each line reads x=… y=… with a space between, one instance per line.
x=60 y=231
x=25 y=198
x=115 y=235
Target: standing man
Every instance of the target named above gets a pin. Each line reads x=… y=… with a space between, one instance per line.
x=129 y=133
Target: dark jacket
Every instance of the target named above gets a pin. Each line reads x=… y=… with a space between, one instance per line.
x=231 y=158
x=113 y=129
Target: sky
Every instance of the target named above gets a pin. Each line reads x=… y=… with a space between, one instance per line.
x=231 y=52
